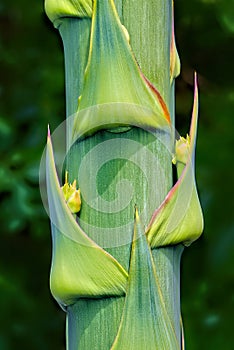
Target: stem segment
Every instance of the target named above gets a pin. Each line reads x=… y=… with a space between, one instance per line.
x=93 y=323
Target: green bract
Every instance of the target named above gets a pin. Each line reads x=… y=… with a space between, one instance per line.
x=174 y=57
x=56 y=9
x=115 y=92
x=79 y=266
x=179 y=218
x=145 y=323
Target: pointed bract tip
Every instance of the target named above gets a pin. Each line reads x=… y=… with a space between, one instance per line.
x=48 y=133
x=193 y=126
x=195 y=83
x=159 y=97
x=136 y=214
x=195 y=93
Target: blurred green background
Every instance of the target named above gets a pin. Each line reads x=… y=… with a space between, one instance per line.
x=32 y=94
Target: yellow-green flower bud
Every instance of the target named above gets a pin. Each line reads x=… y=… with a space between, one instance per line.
x=71 y=195
x=182 y=150
x=74 y=202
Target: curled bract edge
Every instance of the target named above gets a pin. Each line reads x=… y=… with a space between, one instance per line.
x=57 y=9
x=179 y=218
x=115 y=92
x=80 y=268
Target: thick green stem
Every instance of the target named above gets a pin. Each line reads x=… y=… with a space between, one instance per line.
x=93 y=323
x=151 y=44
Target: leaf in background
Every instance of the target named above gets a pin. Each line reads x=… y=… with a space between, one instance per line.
x=225 y=14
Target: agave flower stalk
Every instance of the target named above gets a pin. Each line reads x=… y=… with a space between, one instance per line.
x=118 y=239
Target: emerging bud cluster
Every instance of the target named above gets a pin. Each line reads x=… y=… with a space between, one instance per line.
x=182 y=150
x=71 y=195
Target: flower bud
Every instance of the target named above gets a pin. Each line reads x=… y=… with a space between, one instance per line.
x=182 y=150
x=71 y=195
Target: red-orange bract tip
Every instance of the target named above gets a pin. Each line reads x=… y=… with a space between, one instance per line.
x=195 y=80
x=160 y=99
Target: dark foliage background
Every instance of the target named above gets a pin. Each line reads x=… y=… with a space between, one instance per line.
x=32 y=94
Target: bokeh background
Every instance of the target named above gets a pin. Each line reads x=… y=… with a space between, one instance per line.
x=32 y=94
